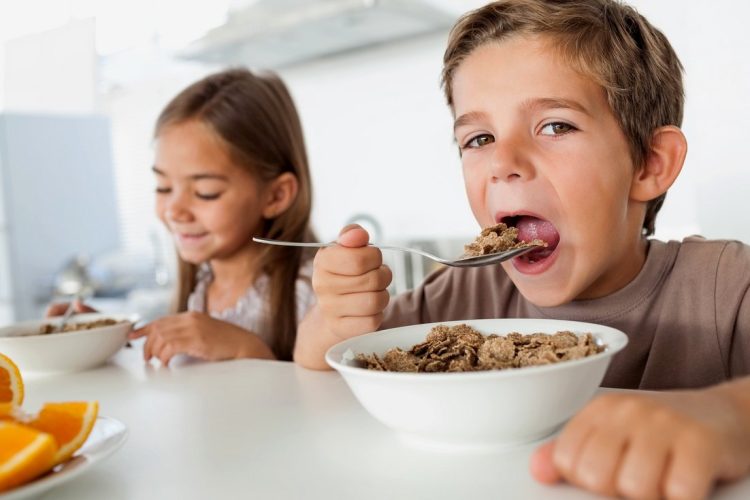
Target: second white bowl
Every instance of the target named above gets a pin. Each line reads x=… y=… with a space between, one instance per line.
x=67 y=351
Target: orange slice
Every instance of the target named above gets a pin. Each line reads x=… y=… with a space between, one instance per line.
x=9 y=411
x=69 y=423
x=11 y=383
x=25 y=454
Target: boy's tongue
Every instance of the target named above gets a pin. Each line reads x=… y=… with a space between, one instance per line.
x=530 y=228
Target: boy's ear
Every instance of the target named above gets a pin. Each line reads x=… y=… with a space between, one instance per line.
x=662 y=164
x=280 y=193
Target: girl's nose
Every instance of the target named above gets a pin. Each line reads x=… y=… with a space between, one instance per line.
x=178 y=207
x=510 y=161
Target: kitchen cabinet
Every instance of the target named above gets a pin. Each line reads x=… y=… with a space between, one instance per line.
x=57 y=200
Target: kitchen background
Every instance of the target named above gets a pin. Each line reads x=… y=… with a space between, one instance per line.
x=82 y=81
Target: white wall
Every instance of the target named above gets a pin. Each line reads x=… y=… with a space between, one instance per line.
x=52 y=72
x=380 y=140
x=379 y=133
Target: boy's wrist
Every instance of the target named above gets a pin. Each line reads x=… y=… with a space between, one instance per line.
x=314 y=338
x=737 y=393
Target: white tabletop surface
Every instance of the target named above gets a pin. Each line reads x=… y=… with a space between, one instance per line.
x=260 y=429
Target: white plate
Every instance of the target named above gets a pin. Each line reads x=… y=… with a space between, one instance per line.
x=107 y=436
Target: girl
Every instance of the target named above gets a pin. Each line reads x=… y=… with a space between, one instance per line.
x=231 y=164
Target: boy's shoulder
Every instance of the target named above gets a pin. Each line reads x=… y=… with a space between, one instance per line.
x=698 y=246
x=719 y=260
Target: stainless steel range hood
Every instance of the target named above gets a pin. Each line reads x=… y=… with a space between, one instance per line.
x=274 y=33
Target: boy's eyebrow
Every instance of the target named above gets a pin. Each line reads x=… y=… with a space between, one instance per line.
x=196 y=177
x=555 y=103
x=540 y=102
x=472 y=116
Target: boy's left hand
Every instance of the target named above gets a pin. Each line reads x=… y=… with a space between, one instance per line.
x=652 y=445
x=201 y=336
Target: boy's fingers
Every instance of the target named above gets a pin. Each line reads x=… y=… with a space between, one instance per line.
x=599 y=460
x=692 y=470
x=351 y=326
x=542 y=467
x=644 y=464
x=354 y=304
x=346 y=261
x=570 y=444
x=353 y=236
x=372 y=281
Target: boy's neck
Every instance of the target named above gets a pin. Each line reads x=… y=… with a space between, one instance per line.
x=634 y=258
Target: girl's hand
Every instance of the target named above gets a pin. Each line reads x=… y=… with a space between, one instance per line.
x=59 y=308
x=201 y=336
x=652 y=445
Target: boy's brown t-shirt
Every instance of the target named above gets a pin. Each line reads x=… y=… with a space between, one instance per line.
x=686 y=314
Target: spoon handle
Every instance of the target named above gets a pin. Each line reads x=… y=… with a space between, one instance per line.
x=293 y=243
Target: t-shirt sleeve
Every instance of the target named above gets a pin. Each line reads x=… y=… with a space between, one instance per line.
x=413 y=307
x=453 y=294
x=739 y=362
x=733 y=305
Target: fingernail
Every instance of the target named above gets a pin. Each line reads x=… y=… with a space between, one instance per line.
x=348 y=227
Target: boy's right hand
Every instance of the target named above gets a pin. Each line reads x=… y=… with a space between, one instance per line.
x=59 y=308
x=351 y=283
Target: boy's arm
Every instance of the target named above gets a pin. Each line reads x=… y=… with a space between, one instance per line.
x=350 y=282
x=649 y=445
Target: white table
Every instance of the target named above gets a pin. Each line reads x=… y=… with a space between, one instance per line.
x=259 y=429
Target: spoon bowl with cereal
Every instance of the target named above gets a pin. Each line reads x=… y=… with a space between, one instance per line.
x=494 y=245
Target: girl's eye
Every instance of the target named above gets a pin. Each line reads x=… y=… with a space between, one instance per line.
x=212 y=196
x=163 y=190
x=557 y=128
x=479 y=141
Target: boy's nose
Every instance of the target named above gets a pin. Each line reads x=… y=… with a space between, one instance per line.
x=510 y=162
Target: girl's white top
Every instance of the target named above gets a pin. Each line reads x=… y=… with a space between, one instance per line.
x=251 y=310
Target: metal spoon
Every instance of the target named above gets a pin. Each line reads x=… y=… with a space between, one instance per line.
x=69 y=312
x=479 y=260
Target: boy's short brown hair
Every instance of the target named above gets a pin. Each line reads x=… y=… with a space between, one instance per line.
x=604 y=40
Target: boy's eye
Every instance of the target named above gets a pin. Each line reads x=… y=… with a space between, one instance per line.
x=207 y=196
x=479 y=141
x=557 y=128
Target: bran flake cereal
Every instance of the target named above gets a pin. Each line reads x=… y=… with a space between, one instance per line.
x=497 y=238
x=461 y=348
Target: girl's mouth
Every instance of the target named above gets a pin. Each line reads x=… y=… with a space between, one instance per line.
x=190 y=239
x=530 y=228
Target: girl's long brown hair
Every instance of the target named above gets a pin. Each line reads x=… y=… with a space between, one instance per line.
x=255 y=117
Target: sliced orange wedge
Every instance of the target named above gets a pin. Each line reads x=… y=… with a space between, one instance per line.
x=69 y=423
x=11 y=383
x=9 y=411
x=25 y=454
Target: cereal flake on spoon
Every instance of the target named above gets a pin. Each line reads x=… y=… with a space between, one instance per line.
x=498 y=238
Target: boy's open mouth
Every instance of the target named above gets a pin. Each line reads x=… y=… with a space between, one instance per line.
x=529 y=228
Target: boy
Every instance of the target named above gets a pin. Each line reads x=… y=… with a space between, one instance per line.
x=566 y=116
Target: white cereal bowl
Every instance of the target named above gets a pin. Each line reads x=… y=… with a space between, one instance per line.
x=64 y=352
x=485 y=410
